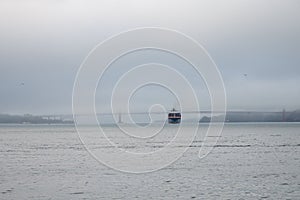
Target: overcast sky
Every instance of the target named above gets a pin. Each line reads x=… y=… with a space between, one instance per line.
x=43 y=42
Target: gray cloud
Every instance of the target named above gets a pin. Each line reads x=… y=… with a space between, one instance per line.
x=44 y=42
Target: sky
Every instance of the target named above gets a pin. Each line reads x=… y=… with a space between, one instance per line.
x=254 y=43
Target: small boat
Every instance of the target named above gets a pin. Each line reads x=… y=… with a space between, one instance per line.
x=174 y=117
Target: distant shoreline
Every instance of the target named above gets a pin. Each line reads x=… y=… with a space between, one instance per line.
x=115 y=124
x=230 y=117
x=33 y=119
x=234 y=117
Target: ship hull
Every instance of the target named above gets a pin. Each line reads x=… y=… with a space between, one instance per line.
x=174 y=120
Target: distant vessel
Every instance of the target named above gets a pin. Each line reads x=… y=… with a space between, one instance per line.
x=174 y=117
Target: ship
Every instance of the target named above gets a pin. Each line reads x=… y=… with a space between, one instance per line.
x=174 y=117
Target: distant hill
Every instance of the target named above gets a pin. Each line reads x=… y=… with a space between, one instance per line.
x=293 y=116
x=257 y=117
x=31 y=119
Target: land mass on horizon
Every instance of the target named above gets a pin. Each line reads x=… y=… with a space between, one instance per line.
x=242 y=116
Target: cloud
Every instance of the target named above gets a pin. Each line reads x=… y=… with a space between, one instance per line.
x=44 y=42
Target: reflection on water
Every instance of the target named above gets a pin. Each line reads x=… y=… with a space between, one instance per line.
x=249 y=161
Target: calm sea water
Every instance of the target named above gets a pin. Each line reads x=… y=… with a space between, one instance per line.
x=250 y=161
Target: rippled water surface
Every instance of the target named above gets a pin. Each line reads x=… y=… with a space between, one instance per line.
x=250 y=161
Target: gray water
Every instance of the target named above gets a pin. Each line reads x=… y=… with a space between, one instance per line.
x=250 y=161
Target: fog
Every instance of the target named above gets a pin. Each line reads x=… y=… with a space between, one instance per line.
x=254 y=43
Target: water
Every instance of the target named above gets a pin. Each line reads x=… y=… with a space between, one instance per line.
x=250 y=161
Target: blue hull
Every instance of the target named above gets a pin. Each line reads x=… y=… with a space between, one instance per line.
x=174 y=120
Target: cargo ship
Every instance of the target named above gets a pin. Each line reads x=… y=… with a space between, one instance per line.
x=174 y=117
